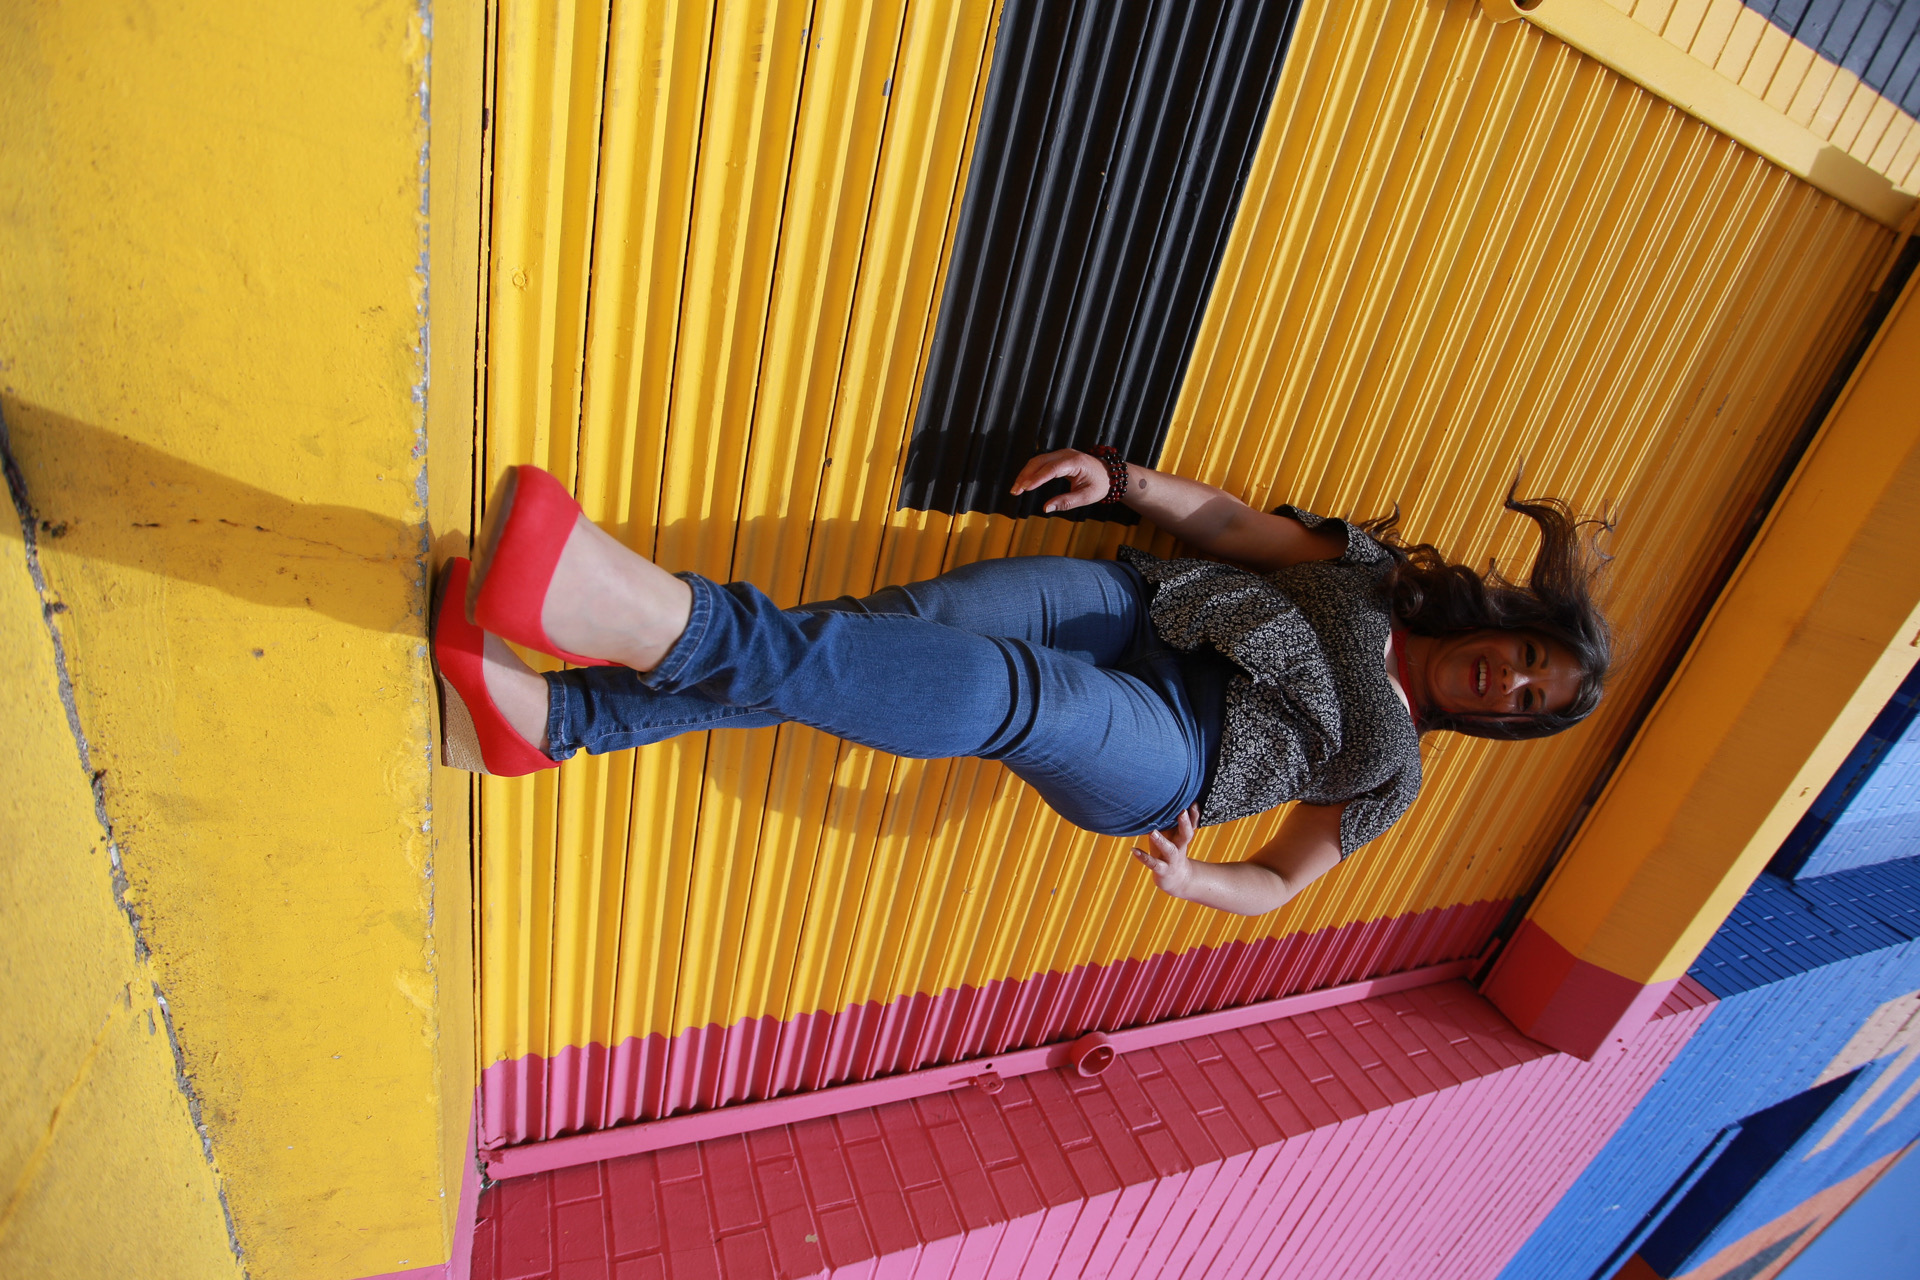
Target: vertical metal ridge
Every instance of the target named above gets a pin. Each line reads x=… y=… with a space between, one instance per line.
x=545 y=162
x=655 y=86
x=842 y=114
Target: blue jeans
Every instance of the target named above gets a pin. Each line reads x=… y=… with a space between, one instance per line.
x=1048 y=664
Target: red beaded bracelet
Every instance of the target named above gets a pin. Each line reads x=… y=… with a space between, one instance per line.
x=1116 y=471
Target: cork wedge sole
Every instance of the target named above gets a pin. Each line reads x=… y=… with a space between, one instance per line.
x=459 y=742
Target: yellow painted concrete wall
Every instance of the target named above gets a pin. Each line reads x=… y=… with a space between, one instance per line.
x=457 y=81
x=90 y=1114
x=212 y=303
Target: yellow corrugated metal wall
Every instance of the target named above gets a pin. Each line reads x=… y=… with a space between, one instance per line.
x=717 y=244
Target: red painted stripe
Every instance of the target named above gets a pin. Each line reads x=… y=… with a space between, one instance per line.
x=1686 y=994
x=1571 y=1004
x=859 y=1096
x=588 y=1087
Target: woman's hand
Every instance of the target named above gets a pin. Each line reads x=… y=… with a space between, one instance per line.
x=1086 y=475
x=1210 y=520
x=1172 y=873
x=1306 y=847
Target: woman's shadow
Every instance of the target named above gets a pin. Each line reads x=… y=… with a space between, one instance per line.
x=98 y=495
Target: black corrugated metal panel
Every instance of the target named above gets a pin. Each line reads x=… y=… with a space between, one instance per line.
x=1112 y=151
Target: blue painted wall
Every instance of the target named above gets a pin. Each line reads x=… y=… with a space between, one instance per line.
x=1786 y=927
x=1870 y=811
x=1804 y=1171
x=1798 y=967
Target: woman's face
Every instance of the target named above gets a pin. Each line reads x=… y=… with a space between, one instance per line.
x=1500 y=673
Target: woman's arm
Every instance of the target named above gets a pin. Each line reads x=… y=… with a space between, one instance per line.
x=1306 y=847
x=1211 y=520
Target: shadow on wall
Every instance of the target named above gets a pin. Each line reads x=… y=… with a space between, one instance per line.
x=104 y=497
x=101 y=496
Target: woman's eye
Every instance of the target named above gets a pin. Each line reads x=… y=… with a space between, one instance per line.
x=1529 y=655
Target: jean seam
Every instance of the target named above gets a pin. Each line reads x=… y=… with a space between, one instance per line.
x=559 y=708
x=705 y=723
x=684 y=649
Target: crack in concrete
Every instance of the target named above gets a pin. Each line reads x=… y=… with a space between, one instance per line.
x=50 y=610
x=362 y=556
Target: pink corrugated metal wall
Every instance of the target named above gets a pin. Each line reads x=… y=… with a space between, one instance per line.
x=592 y=1087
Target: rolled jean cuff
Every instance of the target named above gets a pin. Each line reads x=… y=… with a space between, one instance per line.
x=685 y=651
x=561 y=711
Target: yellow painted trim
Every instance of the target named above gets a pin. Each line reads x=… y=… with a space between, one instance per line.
x=1805 y=646
x=455 y=165
x=1611 y=37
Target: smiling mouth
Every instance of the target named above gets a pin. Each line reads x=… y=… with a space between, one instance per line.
x=1480 y=677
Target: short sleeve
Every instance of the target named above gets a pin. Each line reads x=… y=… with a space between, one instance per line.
x=1368 y=816
x=1361 y=547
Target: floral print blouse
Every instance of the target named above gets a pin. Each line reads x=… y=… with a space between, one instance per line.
x=1311 y=714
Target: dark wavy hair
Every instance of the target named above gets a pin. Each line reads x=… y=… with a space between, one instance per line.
x=1432 y=596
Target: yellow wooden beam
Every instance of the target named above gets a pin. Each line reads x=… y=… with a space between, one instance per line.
x=1643 y=56
x=1807 y=643
x=455 y=158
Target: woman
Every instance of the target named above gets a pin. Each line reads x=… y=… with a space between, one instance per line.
x=1136 y=695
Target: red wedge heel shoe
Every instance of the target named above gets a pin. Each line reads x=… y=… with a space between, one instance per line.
x=527 y=526
x=473 y=734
